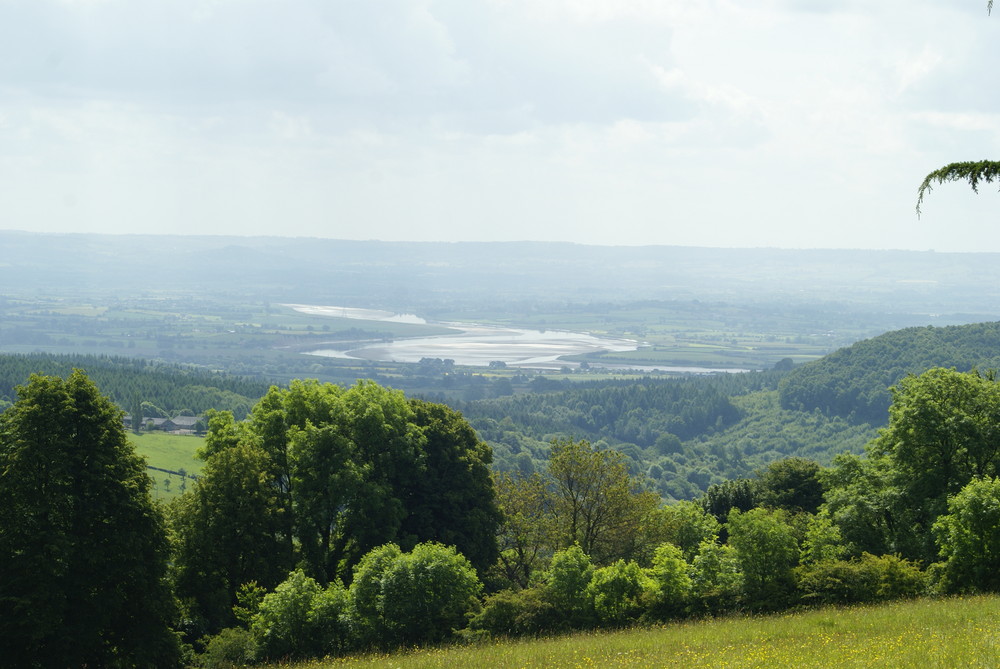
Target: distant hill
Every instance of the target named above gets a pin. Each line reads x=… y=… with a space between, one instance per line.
x=964 y=287
x=853 y=382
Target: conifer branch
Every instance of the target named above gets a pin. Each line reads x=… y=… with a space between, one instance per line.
x=974 y=172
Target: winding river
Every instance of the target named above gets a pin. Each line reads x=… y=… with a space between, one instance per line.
x=476 y=345
x=471 y=345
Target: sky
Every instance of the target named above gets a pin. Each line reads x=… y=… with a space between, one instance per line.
x=735 y=123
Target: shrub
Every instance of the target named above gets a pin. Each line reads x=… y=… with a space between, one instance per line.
x=230 y=648
x=968 y=537
x=616 y=592
x=427 y=594
x=300 y=619
x=364 y=597
x=868 y=579
x=566 y=586
x=511 y=613
x=716 y=578
x=669 y=585
x=408 y=598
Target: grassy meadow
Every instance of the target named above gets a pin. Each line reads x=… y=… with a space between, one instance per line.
x=926 y=633
x=168 y=451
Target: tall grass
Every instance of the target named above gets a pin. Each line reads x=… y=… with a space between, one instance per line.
x=927 y=633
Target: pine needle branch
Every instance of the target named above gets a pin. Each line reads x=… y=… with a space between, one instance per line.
x=986 y=171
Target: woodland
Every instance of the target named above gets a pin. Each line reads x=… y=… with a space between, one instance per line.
x=337 y=519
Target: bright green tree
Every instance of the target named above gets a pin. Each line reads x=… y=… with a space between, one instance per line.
x=716 y=577
x=670 y=582
x=616 y=592
x=83 y=550
x=364 y=604
x=969 y=538
x=944 y=430
x=597 y=503
x=566 y=584
x=421 y=596
x=300 y=619
x=768 y=551
x=427 y=594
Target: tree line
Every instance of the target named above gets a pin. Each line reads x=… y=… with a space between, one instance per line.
x=169 y=388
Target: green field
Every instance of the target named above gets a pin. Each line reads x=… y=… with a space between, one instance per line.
x=168 y=451
x=922 y=633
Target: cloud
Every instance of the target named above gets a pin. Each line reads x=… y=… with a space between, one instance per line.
x=690 y=121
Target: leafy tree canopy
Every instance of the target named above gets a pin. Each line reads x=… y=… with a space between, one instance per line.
x=83 y=550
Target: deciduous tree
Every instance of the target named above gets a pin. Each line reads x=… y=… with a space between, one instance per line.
x=83 y=550
x=597 y=504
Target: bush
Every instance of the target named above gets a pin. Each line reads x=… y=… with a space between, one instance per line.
x=716 y=578
x=511 y=613
x=408 y=598
x=230 y=648
x=300 y=619
x=616 y=592
x=669 y=585
x=868 y=579
x=566 y=587
x=364 y=597
x=427 y=594
x=968 y=537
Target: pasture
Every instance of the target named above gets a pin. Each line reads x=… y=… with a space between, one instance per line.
x=925 y=633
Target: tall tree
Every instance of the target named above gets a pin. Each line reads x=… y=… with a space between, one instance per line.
x=767 y=549
x=452 y=501
x=328 y=474
x=83 y=550
x=944 y=430
x=228 y=531
x=525 y=536
x=597 y=503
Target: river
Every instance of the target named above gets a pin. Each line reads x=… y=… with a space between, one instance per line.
x=476 y=345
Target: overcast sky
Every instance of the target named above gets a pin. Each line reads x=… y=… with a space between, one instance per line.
x=789 y=123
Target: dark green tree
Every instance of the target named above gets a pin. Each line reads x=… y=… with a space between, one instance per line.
x=83 y=549
x=792 y=484
x=721 y=498
x=228 y=531
x=453 y=501
x=329 y=474
x=136 y=408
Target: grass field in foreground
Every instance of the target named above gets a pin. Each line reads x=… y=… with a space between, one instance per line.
x=926 y=633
